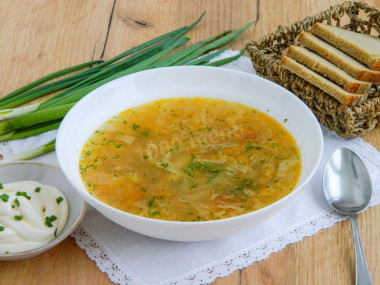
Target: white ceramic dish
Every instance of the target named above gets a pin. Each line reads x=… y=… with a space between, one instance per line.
x=138 y=88
x=49 y=175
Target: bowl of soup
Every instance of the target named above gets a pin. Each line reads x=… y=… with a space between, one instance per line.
x=189 y=153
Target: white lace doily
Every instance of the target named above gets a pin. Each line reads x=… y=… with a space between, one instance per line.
x=130 y=258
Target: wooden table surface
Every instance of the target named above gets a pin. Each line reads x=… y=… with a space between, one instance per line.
x=41 y=36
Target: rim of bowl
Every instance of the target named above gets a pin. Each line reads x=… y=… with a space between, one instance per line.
x=57 y=240
x=320 y=143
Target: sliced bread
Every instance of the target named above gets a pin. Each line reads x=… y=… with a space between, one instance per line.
x=350 y=65
x=363 y=47
x=322 y=83
x=327 y=69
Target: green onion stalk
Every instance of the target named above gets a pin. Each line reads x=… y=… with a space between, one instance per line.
x=71 y=84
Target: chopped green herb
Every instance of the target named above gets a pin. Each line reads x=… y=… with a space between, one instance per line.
x=151 y=201
x=154 y=213
x=175 y=149
x=24 y=194
x=285 y=120
x=1 y=228
x=192 y=185
x=18 y=218
x=17 y=202
x=135 y=127
x=164 y=165
x=1 y=186
x=249 y=146
x=59 y=200
x=37 y=190
x=4 y=197
x=144 y=133
x=145 y=156
x=55 y=232
x=49 y=220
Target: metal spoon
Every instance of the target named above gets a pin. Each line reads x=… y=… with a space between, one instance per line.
x=348 y=190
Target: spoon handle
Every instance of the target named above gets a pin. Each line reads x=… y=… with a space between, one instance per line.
x=362 y=273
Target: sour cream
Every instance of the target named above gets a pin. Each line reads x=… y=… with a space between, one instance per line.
x=31 y=215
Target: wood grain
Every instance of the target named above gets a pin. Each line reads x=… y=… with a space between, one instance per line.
x=46 y=35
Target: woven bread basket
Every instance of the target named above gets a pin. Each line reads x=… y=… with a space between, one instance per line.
x=266 y=54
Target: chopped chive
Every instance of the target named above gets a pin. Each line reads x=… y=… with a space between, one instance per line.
x=17 y=202
x=1 y=228
x=24 y=194
x=37 y=190
x=59 y=200
x=49 y=220
x=1 y=186
x=18 y=218
x=4 y=197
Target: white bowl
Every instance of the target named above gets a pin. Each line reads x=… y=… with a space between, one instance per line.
x=48 y=175
x=112 y=98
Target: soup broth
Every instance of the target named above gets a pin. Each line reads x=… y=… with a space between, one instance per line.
x=190 y=159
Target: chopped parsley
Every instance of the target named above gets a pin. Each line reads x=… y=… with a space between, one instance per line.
x=37 y=190
x=249 y=146
x=1 y=228
x=135 y=127
x=144 y=133
x=151 y=201
x=59 y=200
x=164 y=165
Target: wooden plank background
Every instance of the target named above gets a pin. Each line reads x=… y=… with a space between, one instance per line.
x=41 y=36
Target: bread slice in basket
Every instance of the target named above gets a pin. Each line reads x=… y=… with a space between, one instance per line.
x=350 y=65
x=363 y=47
x=344 y=97
x=327 y=69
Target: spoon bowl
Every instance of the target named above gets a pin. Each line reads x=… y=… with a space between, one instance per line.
x=346 y=182
x=348 y=190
